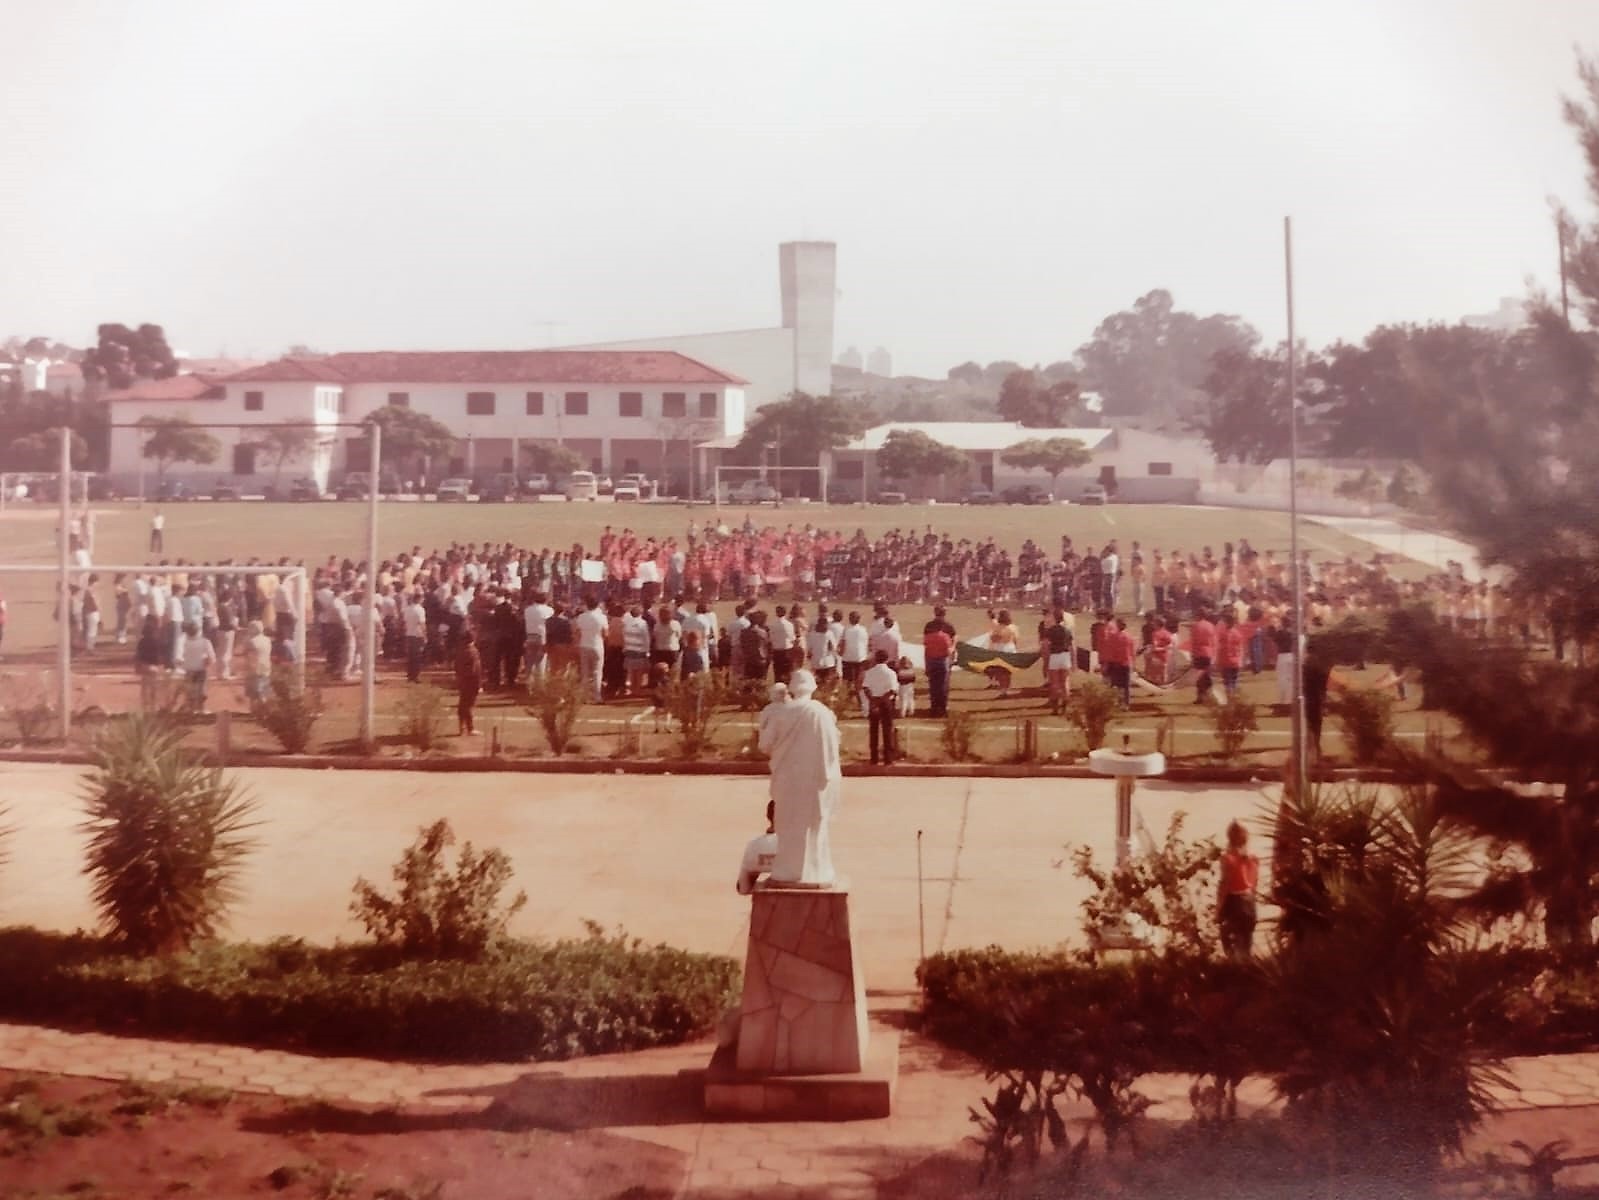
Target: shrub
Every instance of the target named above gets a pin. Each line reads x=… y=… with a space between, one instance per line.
x=1092 y=705
x=530 y=1000
x=957 y=734
x=421 y=711
x=1234 y=722
x=1367 y=719
x=749 y=695
x=694 y=704
x=556 y=699
x=28 y=705
x=1169 y=896
x=290 y=711
x=166 y=836
x=437 y=914
x=841 y=699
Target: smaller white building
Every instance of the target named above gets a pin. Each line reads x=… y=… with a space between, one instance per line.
x=1131 y=464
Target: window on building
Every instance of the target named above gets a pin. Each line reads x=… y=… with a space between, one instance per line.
x=535 y=404
x=1160 y=468
x=707 y=404
x=341 y=401
x=630 y=466
x=851 y=468
x=399 y=399
x=480 y=404
x=674 y=404
x=244 y=458
x=254 y=401
x=632 y=405
x=577 y=404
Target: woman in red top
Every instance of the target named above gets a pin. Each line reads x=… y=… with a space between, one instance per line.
x=1235 y=896
x=468 y=680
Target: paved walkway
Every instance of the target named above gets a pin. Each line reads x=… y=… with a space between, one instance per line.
x=1424 y=545
x=653 y=1096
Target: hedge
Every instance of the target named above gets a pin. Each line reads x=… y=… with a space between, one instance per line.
x=530 y=1000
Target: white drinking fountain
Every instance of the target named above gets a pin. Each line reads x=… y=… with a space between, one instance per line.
x=1125 y=766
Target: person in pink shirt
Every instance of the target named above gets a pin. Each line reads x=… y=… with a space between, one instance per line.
x=1229 y=652
x=1117 y=648
x=1202 y=649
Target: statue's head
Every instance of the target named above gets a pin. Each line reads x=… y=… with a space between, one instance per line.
x=777 y=693
x=801 y=684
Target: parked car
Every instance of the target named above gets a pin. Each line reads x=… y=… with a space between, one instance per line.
x=459 y=490
x=536 y=484
x=356 y=485
x=1027 y=493
x=224 y=489
x=754 y=491
x=1094 y=493
x=500 y=489
x=173 y=490
x=629 y=487
x=604 y=485
x=842 y=493
x=981 y=496
x=304 y=488
x=581 y=485
x=890 y=497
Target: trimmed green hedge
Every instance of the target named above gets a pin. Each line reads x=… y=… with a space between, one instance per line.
x=528 y=1000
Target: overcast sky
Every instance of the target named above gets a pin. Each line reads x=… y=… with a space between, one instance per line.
x=998 y=177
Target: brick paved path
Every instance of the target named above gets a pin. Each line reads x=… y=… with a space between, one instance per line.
x=650 y=1096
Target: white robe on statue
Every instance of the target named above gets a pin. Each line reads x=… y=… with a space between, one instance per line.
x=802 y=739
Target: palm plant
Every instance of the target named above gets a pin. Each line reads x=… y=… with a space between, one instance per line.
x=166 y=836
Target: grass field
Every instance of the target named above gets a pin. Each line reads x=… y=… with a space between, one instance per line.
x=202 y=531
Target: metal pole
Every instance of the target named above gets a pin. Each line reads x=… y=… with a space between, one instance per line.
x=139 y=445
x=302 y=601
x=63 y=588
x=369 y=640
x=1300 y=642
x=921 y=910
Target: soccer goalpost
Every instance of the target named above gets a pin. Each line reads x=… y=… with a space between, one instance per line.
x=743 y=485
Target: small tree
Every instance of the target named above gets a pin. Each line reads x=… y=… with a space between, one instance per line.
x=289 y=712
x=555 y=699
x=284 y=443
x=909 y=454
x=409 y=434
x=695 y=705
x=176 y=439
x=1093 y=704
x=553 y=459
x=1235 y=721
x=437 y=914
x=1053 y=456
x=166 y=836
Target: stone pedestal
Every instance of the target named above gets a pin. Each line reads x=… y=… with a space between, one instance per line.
x=801 y=1047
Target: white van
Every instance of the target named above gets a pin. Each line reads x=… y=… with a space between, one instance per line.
x=581 y=485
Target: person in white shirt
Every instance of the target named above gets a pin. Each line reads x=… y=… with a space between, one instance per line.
x=854 y=650
x=821 y=650
x=158 y=524
x=198 y=655
x=591 y=625
x=759 y=855
x=880 y=686
x=414 y=622
x=783 y=642
x=534 y=620
x=636 y=651
x=886 y=640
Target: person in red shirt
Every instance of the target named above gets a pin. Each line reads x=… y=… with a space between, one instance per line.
x=1235 y=895
x=1202 y=648
x=938 y=644
x=1229 y=652
x=1117 y=648
x=1160 y=645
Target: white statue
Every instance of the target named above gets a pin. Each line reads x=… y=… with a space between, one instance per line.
x=801 y=737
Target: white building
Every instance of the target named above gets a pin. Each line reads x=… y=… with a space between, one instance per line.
x=621 y=411
x=1133 y=465
x=796 y=356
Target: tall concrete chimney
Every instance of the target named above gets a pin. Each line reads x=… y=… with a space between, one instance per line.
x=809 y=273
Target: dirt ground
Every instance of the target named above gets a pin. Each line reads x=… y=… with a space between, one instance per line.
x=81 y=1138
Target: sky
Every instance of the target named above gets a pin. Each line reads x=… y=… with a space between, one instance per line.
x=998 y=176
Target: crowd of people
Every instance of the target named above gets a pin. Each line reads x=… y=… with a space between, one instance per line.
x=632 y=611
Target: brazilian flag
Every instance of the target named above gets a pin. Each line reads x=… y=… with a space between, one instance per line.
x=977 y=656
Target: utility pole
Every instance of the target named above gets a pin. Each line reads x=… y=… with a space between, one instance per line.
x=1300 y=643
x=63 y=587
x=368 y=631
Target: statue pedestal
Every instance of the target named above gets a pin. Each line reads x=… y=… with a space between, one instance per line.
x=801 y=1051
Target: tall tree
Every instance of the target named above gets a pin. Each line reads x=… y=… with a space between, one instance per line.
x=1153 y=359
x=284 y=443
x=969 y=373
x=409 y=435
x=795 y=431
x=1028 y=400
x=121 y=355
x=553 y=459
x=1245 y=413
x=176 y=439
x=911 y=456
x=1053 y=456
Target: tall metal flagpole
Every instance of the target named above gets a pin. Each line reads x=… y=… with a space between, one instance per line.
x=63 y=588
x=368 y=631
x=1297 y=744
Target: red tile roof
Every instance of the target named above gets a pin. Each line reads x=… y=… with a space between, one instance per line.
x=493 y=366
x=179 y=387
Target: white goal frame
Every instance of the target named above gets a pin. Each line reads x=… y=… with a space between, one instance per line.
x=10 y=479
